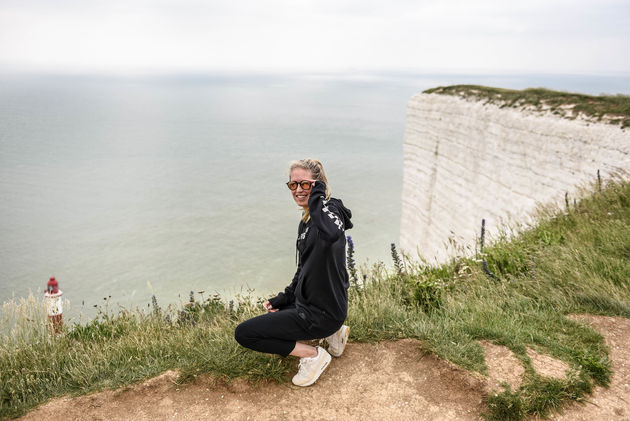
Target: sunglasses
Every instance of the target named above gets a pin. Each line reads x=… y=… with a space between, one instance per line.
x=293 y=185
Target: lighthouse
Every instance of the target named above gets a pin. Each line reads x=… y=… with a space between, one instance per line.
x=55 y=305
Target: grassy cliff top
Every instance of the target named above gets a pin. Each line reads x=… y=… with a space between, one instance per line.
x=516 y=292
x=613 y=109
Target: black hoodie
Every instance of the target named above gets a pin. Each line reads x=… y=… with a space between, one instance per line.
x=320 y=284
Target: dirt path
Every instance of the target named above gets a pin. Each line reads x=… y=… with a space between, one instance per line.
x=392 y=381
x=389 y=381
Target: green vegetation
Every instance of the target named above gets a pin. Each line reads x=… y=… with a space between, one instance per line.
x=614 y=109
x=576 y=261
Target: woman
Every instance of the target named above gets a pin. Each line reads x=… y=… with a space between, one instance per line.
x=315 y=304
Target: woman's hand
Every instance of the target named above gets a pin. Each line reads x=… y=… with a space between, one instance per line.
x=269 y=307
x=312 y=182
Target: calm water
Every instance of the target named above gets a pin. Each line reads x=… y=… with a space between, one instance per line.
x=134 y=187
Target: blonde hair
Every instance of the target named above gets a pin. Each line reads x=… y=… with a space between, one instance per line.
x=317 y=170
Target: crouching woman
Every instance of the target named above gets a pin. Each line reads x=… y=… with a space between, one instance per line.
x=315 y=304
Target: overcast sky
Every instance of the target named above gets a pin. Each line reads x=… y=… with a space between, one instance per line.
x=484 y=36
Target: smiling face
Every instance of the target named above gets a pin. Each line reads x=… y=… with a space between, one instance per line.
x=300 y=195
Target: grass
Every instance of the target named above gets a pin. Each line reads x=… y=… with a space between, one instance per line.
x=123 y=348
x=614 y=109
x=575 y=261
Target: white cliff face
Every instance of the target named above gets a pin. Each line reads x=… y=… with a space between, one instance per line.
x=465 y=160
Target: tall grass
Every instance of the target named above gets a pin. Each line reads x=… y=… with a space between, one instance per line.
x=116 y=349
x=575 y=261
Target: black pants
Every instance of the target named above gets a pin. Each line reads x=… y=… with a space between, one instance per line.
x=277 y=332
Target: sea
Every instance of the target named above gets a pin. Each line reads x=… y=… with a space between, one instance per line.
x=125 y=188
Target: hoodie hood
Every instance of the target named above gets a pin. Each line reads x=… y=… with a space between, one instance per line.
x=346 y=214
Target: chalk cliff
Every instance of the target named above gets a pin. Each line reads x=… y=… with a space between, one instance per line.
x=466 y=159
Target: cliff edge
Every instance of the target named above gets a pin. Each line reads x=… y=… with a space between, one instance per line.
x=469 y=157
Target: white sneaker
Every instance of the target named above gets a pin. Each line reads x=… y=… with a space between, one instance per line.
x=311 y=368
x=338 y=340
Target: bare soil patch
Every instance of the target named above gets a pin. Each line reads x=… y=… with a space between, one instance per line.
x=503 y=367
x=546 y=365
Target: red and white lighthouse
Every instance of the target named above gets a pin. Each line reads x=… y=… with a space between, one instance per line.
x=55 y=305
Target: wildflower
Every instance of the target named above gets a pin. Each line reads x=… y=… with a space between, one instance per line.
x=350 y=261
x=156 y=307
x=397 y=263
